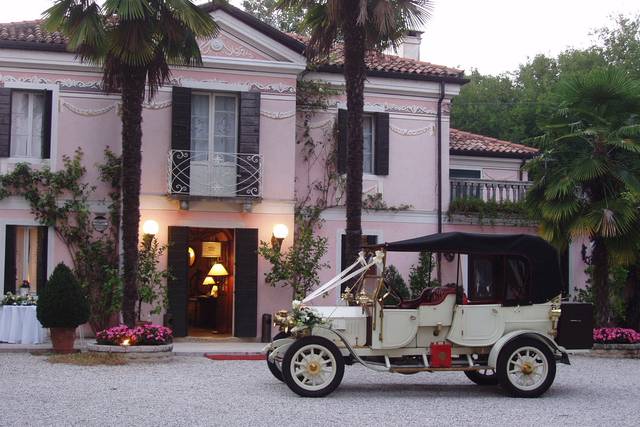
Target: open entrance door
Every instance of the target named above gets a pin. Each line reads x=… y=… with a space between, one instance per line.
x=211 y=282
x=213 y=289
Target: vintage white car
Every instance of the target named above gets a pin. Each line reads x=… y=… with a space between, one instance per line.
x=506 y=328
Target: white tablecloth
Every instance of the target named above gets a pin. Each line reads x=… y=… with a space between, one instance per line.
x=19 y=325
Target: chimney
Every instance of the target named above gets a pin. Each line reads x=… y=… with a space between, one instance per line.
x=410 y=45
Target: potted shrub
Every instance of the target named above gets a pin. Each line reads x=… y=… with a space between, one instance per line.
x=62 y=307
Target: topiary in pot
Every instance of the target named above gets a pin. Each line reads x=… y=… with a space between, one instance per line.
x=62 y=307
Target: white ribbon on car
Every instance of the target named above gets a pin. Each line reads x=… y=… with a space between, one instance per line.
x=347 y=274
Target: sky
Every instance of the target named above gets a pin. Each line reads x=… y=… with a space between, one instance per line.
x=494 y=36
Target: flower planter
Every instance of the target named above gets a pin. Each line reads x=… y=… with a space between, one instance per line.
x=136 y=353
x=624 y=351
x=62 y=340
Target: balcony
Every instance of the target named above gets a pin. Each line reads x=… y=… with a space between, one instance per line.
x=488 y=190
x=217 y=175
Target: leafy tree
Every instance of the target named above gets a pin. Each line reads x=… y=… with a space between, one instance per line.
x=362 y=26
x=287 y=20
x=152 y=282
x=394 y=280
x=485 y=106
x=587 y=181
x=620 y=44
x=420 y=275
x=134 y=42
x=300 y=265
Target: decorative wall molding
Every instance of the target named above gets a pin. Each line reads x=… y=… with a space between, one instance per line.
x=117 y=106
x=317 y=125
x=277 y=115
x=279 y=88
x=88 y=112
x=392 y=108
x=63 y=83
x=430 y=130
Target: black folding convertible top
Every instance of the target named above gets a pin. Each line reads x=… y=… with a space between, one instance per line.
x=546 y=278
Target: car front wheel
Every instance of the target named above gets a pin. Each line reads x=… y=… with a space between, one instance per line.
x=526 y=367
x=276 y=367
x=313 y=367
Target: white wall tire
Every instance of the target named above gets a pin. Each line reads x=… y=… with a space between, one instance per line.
x=313 y=367
x=526 y=367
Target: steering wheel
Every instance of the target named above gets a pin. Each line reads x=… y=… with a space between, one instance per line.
x=391 y=292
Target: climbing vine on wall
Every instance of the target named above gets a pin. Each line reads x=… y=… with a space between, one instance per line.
x=62 y=200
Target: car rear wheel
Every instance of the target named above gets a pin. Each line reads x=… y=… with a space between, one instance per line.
x=313 y=367
x=483 y=376
x=276 y=367
x=526 y=367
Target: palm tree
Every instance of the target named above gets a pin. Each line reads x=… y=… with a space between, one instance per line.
x=134 y=41
x=586 y=180
x=362 y=26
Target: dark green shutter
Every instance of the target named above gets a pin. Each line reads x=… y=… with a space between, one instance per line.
x=43 y=244
x=5 y=122
x=10 y=259
x=46 y=124
x=180 y=140
x=248 y=184
x=381 y=144
x=246 y=282
x=178 y=289
x=341 y=151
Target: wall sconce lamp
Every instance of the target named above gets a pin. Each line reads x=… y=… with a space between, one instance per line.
x=150 y=227
x=280 y=232
x=217 y=270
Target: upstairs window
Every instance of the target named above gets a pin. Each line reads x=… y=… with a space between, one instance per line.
x=214 y=124
x=27 y=120
x=367 y=144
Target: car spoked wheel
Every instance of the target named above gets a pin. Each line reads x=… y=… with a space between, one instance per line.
x=313 y=367
x=275 y=367
x=483 y=376
x=526 y=368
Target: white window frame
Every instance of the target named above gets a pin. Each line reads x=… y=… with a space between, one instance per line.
x=8 y=163
x=51 y=236
x=371 y=117
x=212 y=103
x=31 y=99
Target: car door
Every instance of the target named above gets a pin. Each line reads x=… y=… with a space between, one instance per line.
x=476 y=325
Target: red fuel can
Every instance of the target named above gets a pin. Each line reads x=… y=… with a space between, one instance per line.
x=440 y=355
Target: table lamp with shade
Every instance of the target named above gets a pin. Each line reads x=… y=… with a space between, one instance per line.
x=217 y=270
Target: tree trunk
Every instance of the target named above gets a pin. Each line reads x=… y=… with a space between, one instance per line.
x=132 y=99
x=354 y=74
x=600 y=285
x=632 y=297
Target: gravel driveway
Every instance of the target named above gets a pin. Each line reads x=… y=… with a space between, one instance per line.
x=198 y=391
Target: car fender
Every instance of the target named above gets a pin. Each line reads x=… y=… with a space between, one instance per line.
x=279 y=348
x=548 y=341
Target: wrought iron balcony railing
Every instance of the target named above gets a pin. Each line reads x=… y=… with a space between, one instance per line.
x=211 y=174
x=488 y=190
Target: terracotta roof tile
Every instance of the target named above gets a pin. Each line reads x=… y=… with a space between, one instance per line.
x=468 y=143
x=29 y=31
x=382 y=62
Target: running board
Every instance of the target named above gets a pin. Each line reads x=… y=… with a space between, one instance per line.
x=413 y=369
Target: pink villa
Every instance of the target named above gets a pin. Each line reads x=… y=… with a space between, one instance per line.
x=221 y=166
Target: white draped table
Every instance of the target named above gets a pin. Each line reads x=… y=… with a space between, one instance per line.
x=19 y=325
